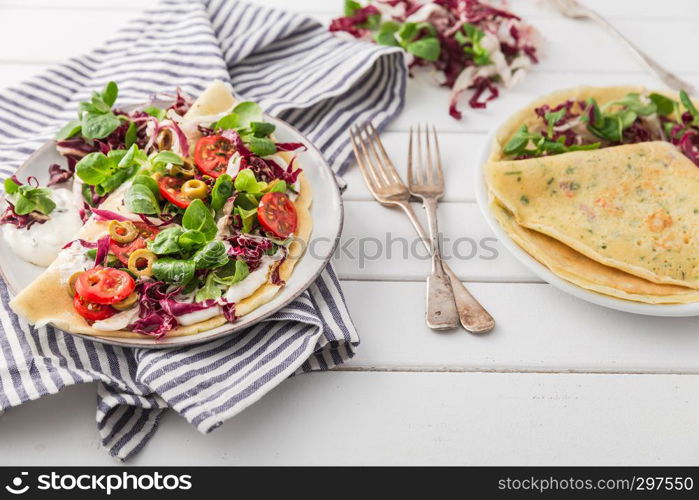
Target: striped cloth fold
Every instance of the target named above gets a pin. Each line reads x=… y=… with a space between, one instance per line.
x=296 y=71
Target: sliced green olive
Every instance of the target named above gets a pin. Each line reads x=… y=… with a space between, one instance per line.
x=126 y=303
x=123 y=231
x=71 y=282
x=194 y=188
x=187 y=169
x=141 y=262
x=164 y=140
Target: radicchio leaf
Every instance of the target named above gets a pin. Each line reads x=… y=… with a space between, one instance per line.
x=290 y=146
x=250 y=248
x=102 y=250
x=9 y=216
x=108 y=215
x=83 y=243
x=58 y=175
x=457 y=60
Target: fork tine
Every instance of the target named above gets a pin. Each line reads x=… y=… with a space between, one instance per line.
x=379 y=165
x=387 y=164
x=411 y=174
x=430 y=176
x=360 y=159
x=438 y=157
x=365 y=166
x=420 y=170
x=378 y=149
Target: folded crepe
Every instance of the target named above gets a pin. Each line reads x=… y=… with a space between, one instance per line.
x=621 y=220
x=587 y=273
x=46 y=300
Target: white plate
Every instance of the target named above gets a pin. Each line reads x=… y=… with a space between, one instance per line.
x=326 y=212
x=545 y=274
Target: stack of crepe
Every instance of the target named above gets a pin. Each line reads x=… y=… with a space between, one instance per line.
x=622 y=221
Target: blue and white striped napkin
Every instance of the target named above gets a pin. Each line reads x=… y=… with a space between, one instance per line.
x=297 y=71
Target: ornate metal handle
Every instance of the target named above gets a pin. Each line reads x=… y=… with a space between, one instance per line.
x=441 y=313
x=472 y=315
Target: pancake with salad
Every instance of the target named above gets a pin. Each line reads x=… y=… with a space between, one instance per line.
x=178 y=218
x=601 y=186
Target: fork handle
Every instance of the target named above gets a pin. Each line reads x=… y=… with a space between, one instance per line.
x=441 y=312
x=472 y=315
x=664 y=75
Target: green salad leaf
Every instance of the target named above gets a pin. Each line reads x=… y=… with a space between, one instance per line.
x=175 y=271
x=262 y=129
x=167 y=157
x=158 y=113
x=526 y=143
x=210 y=256
x=29 y=199
x=69 y=130
x=95 y=117
x=108 y=172
x=233 y=272
x=245 y=182
x=210 y=290
x=246 y=119
x=664 y=105
x=191 y=239
x=149 y=182
x=351 y=6
x=470 y=39
x=166 y=242
x=277 y=187
x=140 y=200
x=689 y=105
x=222 y=190
x=248 y=217
x=199 y=217
x=131 y=135
x=632 y=102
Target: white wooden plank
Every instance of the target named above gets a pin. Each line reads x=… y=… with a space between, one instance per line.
x=379 y=243
x=93 y=5
x=528 y=9
x=56 y=34
x=626 y=9
x=398 y=419
x=459 y=153
x=538 y=329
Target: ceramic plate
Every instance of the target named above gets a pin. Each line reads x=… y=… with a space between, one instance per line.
x=326 y=212
x=545 y=274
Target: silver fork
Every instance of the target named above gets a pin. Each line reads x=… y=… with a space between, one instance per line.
x=575 y=10
x=386 y=186
x=426 y=182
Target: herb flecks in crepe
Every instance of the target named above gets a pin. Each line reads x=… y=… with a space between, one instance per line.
x=587 y=273
x=631 y=207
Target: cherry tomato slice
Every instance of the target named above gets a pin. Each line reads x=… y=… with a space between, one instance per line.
x=211 y=154
x=91 y=311
x=277 y=214
x=122 y=251
x=171 y=189
x=104 y=285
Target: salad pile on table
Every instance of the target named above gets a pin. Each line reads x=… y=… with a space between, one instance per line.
x=469 y=45
x=194 y=225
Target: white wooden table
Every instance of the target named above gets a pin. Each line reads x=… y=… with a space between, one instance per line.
x=559 y=381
